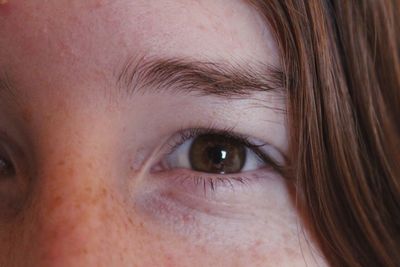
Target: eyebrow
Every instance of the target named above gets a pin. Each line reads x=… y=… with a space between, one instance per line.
x=183 y=76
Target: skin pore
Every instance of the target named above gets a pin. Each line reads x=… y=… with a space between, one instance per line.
x=86 y=147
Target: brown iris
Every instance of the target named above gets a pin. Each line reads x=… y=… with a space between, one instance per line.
x=214 y=153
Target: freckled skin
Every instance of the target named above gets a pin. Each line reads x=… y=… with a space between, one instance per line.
x=86 y=203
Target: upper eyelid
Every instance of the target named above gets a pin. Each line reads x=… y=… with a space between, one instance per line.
x=186 y=134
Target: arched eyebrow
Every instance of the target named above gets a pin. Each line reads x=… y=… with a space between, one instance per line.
x=183 y=76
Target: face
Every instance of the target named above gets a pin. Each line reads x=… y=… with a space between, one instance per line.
x=143 y=133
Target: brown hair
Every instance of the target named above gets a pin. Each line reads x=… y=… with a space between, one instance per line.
x=342 y=60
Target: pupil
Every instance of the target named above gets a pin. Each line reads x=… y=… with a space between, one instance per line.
x=216 y=153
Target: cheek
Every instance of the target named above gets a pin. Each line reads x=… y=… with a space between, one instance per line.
x=77 y=219
x=263 y=231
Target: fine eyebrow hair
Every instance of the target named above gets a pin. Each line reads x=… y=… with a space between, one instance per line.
x=182 y=76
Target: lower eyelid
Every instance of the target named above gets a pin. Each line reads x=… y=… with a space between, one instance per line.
x=210 y=185
x=172 y=202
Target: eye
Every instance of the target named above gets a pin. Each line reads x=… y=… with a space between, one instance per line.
x=13 y=186
x=7 y=169
x=216 y=153
x=210 y=171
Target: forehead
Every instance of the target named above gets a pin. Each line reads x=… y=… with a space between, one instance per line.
x=64 y=40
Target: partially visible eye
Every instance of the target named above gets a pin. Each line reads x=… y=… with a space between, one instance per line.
x=217 y=153
x=13 y=185
x=7 y=169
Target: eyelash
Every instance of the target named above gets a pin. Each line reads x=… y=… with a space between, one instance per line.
x=185 y=135
x=212 y=181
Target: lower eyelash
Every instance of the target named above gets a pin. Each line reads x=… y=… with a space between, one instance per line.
x=210 y=183
x=213 y=182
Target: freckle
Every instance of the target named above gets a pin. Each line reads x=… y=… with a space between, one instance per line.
x=258 y=243
x=291 y=252
x=186 y=218
x=201 y=27
x=202 y=249
x=104 y=192
x=48 y=116
x=170 y=194
x=90 y=165
x=169 y=261
x=57 y=202
x=61 y=163
x=98 y=4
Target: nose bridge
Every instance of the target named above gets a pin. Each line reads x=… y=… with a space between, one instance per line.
x=71 y=206
x=71 y=170
x=75 y=210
